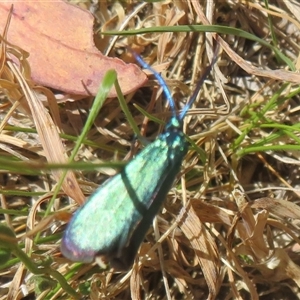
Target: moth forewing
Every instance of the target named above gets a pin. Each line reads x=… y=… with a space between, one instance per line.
x=165 y=176
x=114 y=220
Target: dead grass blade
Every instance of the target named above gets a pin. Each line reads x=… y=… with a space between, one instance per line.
x=50 y=139
x=250 y=69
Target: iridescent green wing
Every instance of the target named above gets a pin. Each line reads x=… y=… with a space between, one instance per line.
x=105 y=223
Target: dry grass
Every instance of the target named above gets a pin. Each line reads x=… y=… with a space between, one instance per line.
x=229 y=227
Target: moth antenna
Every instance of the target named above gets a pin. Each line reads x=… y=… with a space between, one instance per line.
x=160 y=80
x=199 y=85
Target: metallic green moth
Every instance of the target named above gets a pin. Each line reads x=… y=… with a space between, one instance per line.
x=114 y=220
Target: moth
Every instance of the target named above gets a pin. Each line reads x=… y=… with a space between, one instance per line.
x=115 y=219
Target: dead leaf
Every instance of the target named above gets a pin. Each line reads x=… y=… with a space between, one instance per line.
x=280 y=267
x=251 y=231
x=204 y=247
x=280 y=208
x=135 y=282
x=59 y=39
x=211 y=213
x=14 y=287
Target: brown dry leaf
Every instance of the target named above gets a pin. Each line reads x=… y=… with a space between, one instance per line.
x=273 y=264
x=280 y=208
x=280 y=267
x=135 y=282
x=59 y=39
x=210 y=213
x=204 y=247
x=251 y=230
x=14 y=288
